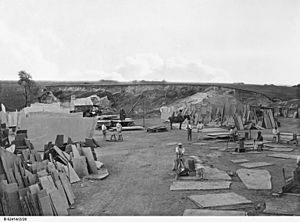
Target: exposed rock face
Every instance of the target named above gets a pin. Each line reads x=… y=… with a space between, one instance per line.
x=152 y=96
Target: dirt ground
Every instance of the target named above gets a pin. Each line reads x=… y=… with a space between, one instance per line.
x=141 y=175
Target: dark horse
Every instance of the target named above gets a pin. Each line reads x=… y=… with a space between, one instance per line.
x=178 y=119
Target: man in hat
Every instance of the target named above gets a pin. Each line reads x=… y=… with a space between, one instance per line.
x=122 y=114
x=103 y=128
x=200 y=127
x=189 y=131
x=276 y=133
x=179 y=150
x=119 y=131
x=258 y=143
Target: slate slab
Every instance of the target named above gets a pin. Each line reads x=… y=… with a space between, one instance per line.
x=255 y=179
x=255 y=164
x=90 y=160
x=199 y=185
x=80 y=166
x=75 y=151
x=199 y=144
x=59 y=204
x=245 y=153
x=210 y=173
x=172 y=144
x=47 y=184
x=13 y=200
x=45 y=203
x=205 y=212
x=239 y=161
x=281 y=149
x=73 y=177
x=285 y=205
x=219 y=200
x=283 y=156
x=67 y=188
x=62 y=193
x=102 y=174
x=275 y=145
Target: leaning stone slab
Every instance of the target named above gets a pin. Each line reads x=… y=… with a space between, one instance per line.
x=205 y=212
x=199 y=185
x=219 y=200
x=255 y=164
x=255 y=179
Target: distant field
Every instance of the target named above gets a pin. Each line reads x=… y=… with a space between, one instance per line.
x=11 y=94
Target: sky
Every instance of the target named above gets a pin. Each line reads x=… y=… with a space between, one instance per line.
x=250 y=41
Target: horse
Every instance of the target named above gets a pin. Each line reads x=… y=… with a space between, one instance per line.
x=178 y=119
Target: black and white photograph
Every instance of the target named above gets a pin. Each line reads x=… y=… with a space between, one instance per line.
x=168 y=108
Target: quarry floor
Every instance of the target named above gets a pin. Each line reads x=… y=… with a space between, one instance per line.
x=141 y=175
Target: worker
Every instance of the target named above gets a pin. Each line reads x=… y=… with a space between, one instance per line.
x=294 y=139
x=258 y=143
x=180 y=113
x=233 y=134
x=200 y=127
x=103 y=127
x=236 y=133
x=259 y=136
x=179 y=151
x=113 y=135
x=276 y=135
x=122 y=114
x=189 y=131
x=119 y=131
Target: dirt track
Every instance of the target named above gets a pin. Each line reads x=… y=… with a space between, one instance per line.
x=140 y=176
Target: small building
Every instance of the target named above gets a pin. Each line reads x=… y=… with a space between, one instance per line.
x=81 y=104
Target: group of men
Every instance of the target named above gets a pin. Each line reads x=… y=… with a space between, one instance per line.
x=113 y=136
x=199 y=128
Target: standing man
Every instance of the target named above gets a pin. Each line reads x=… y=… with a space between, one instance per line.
x=200 y=127
x=276 y=134
x=103 y=127
x=189 y=131
x=258 y=143
x=180 y=118
x=119 y=131
x=179 y=150
x=122 y=114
